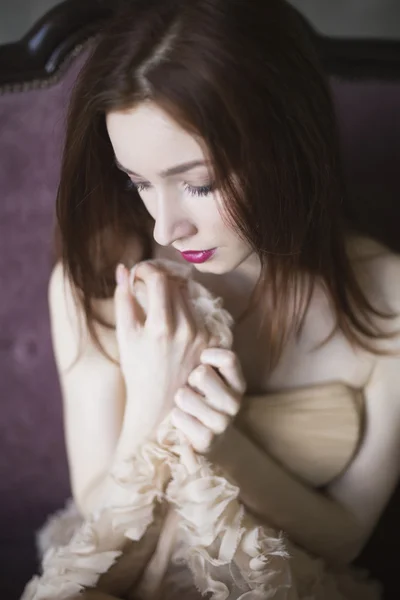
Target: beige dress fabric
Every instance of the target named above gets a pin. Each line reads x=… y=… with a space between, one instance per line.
x=177 y=529
x=313 y=431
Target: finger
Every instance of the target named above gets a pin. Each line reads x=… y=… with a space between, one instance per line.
x=228 y=366
x=218 y=395
x=159 y=308
x=197 y=435
x=184 y=318
x=195 y=405
x=128 y=313
x=146 y=268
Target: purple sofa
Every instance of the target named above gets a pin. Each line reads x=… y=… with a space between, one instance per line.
x=365 y=79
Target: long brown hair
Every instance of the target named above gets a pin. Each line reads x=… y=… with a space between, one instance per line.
x=244 y=77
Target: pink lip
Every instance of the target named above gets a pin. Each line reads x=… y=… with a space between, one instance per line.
x=198 y=257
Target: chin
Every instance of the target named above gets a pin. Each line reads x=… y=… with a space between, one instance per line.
x=217 y=267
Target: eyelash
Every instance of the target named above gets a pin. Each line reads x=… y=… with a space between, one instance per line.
x=203 y=190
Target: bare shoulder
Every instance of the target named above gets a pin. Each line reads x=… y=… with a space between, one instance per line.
x=68 y=324
x=378 y=270
x=365 y=487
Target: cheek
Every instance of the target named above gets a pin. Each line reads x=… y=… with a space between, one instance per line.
x=210 y=214
x=236 y=243
x=148 y=197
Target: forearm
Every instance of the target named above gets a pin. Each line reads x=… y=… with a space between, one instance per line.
x=95 y=496
x=104 y=489
x=311 y=519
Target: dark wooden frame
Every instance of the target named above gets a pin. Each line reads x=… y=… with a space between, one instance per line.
x=40 y=54
x=38 y=57
x=360 y=58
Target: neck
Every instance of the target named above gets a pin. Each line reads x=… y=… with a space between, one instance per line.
x=235 y=287
x=249 y=270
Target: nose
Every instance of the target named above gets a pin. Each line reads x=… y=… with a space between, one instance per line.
x=170 y=224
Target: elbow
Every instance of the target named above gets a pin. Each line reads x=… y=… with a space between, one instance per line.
x=346 y=552
x=345 y=556
x=81 y=507
x=88 y=498
x=353 y=551
x=348 y=537
x=82 y=501
x=85 y=503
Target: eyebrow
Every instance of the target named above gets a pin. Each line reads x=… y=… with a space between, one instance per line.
x=177 y=170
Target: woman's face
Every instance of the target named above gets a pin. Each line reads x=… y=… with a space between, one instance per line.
x=171 y=174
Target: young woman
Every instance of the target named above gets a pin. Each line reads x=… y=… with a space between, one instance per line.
x=203 y=131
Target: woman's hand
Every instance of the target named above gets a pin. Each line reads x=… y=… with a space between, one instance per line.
x=206 y=406
x=158 y=347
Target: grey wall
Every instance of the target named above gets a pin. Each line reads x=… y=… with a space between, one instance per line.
x=354 y=18
x=361 y=18
x=17 y=16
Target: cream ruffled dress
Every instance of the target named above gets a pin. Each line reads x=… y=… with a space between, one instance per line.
x=177 y=529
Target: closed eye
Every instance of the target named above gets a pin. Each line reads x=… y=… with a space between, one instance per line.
x=137 y=185
x=201 y=190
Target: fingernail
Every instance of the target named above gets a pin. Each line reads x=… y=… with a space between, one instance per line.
x=121 y=275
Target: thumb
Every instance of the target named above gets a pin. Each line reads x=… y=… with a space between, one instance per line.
x=127 y=314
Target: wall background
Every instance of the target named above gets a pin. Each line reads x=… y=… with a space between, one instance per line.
x=17 y=16
x=353 y=18
x=342 y=18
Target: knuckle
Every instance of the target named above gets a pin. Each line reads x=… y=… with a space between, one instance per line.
x=202 y=337
x=231 y=359
x=204 y=443
x=160 y=331
x=203 y=369
x=186 y=333
x=158 y=279
x=233 y=407
x=221 y=424
x=200 y=373
x=184 y=396
x=179 y=394
x=242 y=387
x=192 y=380
x=144 y=270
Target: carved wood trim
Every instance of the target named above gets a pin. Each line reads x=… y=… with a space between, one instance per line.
x=37 y=59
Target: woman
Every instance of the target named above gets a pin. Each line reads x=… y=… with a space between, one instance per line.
x=203 y=131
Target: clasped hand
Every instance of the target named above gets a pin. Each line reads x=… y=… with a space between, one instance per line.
x=211 y=399
x=167 y=364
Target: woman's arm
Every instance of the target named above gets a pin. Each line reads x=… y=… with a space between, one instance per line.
x=98 y=433
x=204 y=414
x=110 y=408
x=335 y=524
x=368 y=483
x=312 y=520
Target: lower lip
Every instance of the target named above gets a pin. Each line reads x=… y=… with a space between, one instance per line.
x=198 y=257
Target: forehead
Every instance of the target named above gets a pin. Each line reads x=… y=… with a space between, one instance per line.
x=145 y=139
